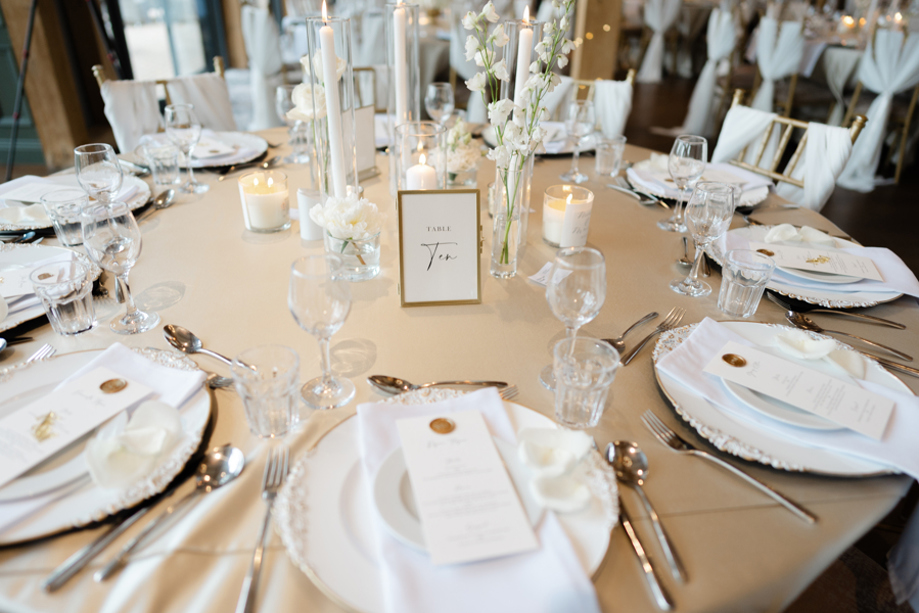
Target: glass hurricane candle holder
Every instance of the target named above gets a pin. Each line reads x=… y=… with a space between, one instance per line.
x=420 y=156
x=566 y=215
x=265 y=201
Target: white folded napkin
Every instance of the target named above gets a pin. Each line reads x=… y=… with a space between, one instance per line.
x=787 y=233
x=799 y=344
x=548 y=579
x=4 y=308
x=553 y=457
x=898 y=278
x=28 y=211
x=896 y=448
x=655 y=176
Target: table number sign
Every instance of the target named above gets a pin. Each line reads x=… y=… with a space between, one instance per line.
x=440 y=247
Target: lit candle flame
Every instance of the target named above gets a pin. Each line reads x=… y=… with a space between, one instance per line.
x=568 y=200
x=898 y=17
x=255 y=182
x=270 y=181
x=421 y=159
x=325 y=13
x=526 y=15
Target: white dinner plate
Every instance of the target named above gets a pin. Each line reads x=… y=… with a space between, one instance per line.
x=139 y=199
x=87 y=502
x=325 y=515
x=254 y=144
x=21 y=255
x=745 y=439
x=778 y=410
x=825 y=297
x=749 y=197
x=820 y=277
x=394 y=499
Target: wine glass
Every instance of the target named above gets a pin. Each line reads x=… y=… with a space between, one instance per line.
x=297 y=133
x=708 y=216
x=579 y=124
x=319 y=299
x=112 y=240
x=98 y=171
x=184 y=130
x=686 y=164
x=575 y=292
x=438 y=101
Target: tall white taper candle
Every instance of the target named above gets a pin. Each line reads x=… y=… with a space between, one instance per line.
x=524 y=49
x=401 y=65
x=333 y=105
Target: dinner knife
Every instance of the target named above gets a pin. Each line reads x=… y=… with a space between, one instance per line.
x=136 y=169
x=664 y=602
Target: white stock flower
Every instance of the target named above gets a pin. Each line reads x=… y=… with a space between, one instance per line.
x=500 y=36
x=500 y=156
x=534 y=66
x=480 y=58
x=490 y=13
x=563 y=24
x=472 y=47
x=476 y=83
x=348 y=218
x=469 y=21
x=302 y=97
x=463 y=158
x=562 y=61
x=498 y=111
x=501 y=71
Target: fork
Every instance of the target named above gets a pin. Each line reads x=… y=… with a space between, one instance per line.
x=673 y=440
x=45 y=351
x=671 y=321
x=509 y=392
x=275 y=472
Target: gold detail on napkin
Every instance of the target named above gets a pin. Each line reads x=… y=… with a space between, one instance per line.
x=734 y=360
x=820 y=259
x=442 y=425
x=42 y=430
x=113 y=386
x=766 y=252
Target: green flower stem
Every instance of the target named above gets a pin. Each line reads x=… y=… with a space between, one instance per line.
x=357 y=251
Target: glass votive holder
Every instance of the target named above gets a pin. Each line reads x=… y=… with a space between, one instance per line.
x=265 y=201
x=267 y=379
x=360 y=257
x=64 y=207
x=584 y=371
x=566 y=215
x=420 y=156
x=65 y=291
x=608 y=159
x=744 y=275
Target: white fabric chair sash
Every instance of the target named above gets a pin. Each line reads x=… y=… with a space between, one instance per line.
x=263 y=47
x=132 y=109
x=612 y=104
x=825 y=155
x=779 y=49
x=890 y=65
x=721 y=38
x=209 y=93
x=659 y=16
x=742 y=126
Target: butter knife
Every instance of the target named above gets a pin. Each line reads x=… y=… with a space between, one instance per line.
x=664 y=602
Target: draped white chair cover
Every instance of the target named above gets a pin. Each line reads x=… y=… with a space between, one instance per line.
x=263 y=48
x=825 y=155
x=209 y=93
x=612 y=104
x=132 y=110
x=742 y=126
x=476 y=111
x=371 y=50
x=659 y=16
x=890 y=65
x=554 y=99
x=721 y=38
x=779 y=48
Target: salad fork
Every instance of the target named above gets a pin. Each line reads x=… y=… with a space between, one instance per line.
x=673 y=440
x=275 y=472
x=45 y=351
x=671 y=321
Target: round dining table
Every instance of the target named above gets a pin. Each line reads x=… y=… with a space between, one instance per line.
x=201 y=269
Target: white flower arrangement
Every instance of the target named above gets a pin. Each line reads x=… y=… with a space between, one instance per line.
x=463 y=153
x=517 y=128
x=302 y=98
x=350 y=218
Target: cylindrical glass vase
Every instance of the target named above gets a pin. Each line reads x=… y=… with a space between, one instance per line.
x=402 y=62
x=519 y=56
x=505 y=241
x=329 y=46
x=420 y=156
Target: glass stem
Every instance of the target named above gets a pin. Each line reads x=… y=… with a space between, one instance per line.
x=324 y=361
x=571 y=332
x=191 y=173
x=693 y=277
x=575 y=171
x=678 y=213
x=128 y=297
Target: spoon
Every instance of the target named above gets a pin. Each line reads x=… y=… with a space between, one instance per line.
x=264 y=165
x=804 y=322
x=619 y=342
x=24 y=238
x=163 y=200
x=186 y=342
x=2 y=344
x=220 y=466
x=395 y=385
x=630 y=464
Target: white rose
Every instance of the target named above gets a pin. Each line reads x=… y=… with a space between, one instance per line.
x=302 y=97
x=476 y=83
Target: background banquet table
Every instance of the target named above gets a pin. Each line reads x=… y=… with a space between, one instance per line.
x=200 y=269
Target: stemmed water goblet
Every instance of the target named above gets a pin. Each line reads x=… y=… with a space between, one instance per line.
x=297 y=132
x=686 y=165
x=708 y=216
x=319 y=299
x=112 y=239
x=576 y=290
x=184 y=130
x=580 y=123
x=439 y=102
x=98 y=171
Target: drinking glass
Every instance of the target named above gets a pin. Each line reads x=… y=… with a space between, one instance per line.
x=686 y=164
x=297 y=132
x=708 y=216
x=267 y=379
x=64 y=289
x=65 y=208
x=609 y=156
x=112 y=240
x=98 y=171
x=438 y=101
x=184 y=130
x=584 y=371
x=744 y=276
x=320 y=300
x=575 y=291
x=579 y=124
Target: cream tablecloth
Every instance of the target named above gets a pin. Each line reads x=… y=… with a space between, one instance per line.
x=202 y=270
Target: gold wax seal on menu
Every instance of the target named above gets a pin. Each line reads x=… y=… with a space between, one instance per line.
x=44 y=275
x=42 y=430
x=734 y=360
x=113 y=386
x=442 y=425
x=766 y=252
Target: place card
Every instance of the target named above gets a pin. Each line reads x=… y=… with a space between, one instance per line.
x=542 y=277
x=805 y=388
x=820 y=259
x=39 y=430
x=32 y=191
x=468 y=506
x=15 y=282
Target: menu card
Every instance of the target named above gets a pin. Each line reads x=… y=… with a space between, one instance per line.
x=805 y=388
x=39 y=430
x=468 y=505
x=31 y=191
x=820 y=259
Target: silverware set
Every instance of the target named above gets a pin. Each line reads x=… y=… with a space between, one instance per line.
x=224 y=174
x=673 y=319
